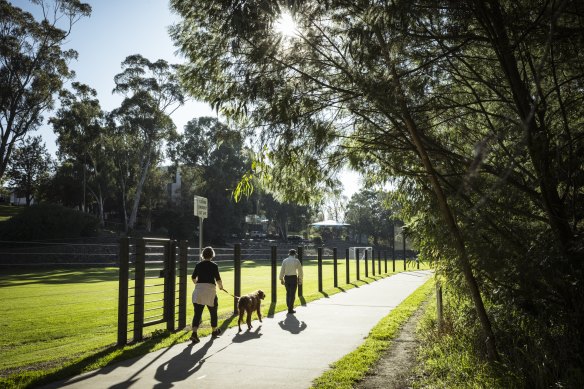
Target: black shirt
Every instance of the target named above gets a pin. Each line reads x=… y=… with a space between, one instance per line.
x=207 y=272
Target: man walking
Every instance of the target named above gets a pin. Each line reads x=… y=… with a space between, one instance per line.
x=291 y=277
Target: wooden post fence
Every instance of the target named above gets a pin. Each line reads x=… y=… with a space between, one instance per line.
x=404 y=241
x=319 y=265
x=139 y=273
x=124 y=260
x=183 y=261
x=347 y=268
x=357 y=263
x=274 y=274
x=379 y=262
x=300 y=253
x=169 y=284
x=335 y=276
x=366 y=263
x=236 y=275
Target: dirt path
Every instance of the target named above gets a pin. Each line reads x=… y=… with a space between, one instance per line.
x=394 y=368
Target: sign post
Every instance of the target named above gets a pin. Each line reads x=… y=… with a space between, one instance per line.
x=201 y=211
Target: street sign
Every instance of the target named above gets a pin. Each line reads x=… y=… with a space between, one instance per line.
x=201 y=207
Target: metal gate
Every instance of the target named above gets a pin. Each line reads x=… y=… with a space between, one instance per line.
x=148 y=286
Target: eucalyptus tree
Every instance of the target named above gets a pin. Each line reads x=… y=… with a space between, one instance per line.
x=29 y=168
x=152 y=94
x=473 y=105
x=80 y=127
x=33 y=65
x=218 y=155
x=367 y=214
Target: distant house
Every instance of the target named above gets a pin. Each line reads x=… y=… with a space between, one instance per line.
x=14 y=199
x=173 y=189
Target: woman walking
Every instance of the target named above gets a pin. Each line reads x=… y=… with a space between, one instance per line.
x=206 y=277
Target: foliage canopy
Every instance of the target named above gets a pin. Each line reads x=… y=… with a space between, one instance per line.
x=474 y=109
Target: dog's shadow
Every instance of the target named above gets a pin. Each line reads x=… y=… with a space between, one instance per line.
x=182 y=366
x=241 y=337
x=292 y=325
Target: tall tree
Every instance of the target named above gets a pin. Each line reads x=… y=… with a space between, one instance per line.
x=217 y=152
x=151 y=93
x=80 y=127
x=367 y=214
x=29 y=168
x=475 y=106
x=33 y=66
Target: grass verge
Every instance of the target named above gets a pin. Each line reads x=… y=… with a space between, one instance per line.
x=348 y=370
x=450 y=357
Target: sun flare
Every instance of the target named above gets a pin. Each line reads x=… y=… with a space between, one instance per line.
x=286 y=25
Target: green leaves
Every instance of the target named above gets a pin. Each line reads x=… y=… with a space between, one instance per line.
x=32 y=66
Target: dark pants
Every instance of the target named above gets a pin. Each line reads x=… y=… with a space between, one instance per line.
x=291 y=284
x=199 y=313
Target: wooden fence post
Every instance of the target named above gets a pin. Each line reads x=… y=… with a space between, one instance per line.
x=183 y=264
x=274 y=274
x=236 y=275
x=335 y=276
x=373 y=262
x=319 y=265
x=140 y=272
x=357 y=261
x=366 y=263
x=393 y=246
x=379 y=262
x=124 y=260
x=170 y=284
x=347 y=268
x=300 y=253
x=404 y=236
x=385 y=260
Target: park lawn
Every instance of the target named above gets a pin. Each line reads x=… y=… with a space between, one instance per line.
x=7 y=211
x=61 y=322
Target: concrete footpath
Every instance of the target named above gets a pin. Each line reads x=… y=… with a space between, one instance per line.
x=285 y=351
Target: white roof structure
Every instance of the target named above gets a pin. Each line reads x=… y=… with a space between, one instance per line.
x=329 y=223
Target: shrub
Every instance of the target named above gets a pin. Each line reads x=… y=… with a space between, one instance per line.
x=48 y=221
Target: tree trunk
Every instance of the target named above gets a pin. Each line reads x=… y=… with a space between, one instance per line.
x=536 y=134
x=100 y=202
x=134 y=214
x=448 y=216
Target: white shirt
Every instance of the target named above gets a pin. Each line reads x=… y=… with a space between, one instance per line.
x=290 y=266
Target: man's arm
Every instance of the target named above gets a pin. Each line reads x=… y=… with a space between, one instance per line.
x=281 y=277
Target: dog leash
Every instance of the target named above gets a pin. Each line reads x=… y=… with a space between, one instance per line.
x=235 y=297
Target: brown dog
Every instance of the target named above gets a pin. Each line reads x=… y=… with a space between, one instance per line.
x=250 y=303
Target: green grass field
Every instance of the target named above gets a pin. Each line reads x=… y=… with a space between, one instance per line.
x=7 y=211
x=60 y=322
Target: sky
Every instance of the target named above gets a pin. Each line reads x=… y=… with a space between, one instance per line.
x=116 y=29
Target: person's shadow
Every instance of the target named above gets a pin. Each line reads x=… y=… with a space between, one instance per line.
x=181 y=366
x=292 y=324
x=247 y=335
